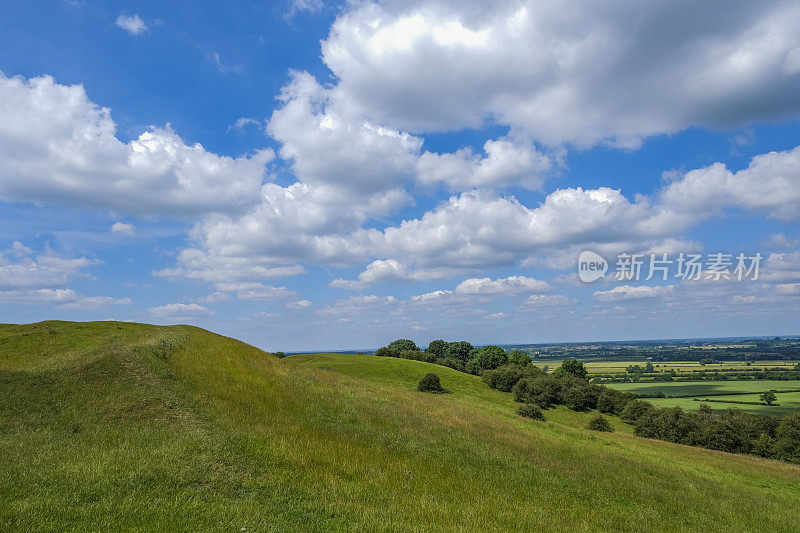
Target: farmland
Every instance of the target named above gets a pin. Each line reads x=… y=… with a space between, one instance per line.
x=687 y=395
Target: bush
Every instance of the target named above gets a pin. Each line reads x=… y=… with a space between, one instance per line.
x=599 y=423
x=387 y=352
x=530 y=410
x=503 y=378
x=430 y=383
x=544 y=391
x=455 y=364
x=577 y=398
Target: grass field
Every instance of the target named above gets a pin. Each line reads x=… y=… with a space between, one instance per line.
x=118 y=426
x=720 y=390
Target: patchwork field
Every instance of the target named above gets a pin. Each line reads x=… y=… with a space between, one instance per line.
x=683 y=394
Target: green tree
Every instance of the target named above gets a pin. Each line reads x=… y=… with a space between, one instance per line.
x=573 y=367
x=489 y=357
x=437 y=347
x=516 y=357
x=649 y=367
x=458 y=350
x=402 y=345
x=387 y=352
x=768 y=397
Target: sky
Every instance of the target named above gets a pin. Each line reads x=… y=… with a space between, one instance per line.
x=305 y=175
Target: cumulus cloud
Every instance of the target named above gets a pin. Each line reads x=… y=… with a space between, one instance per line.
x=299 y=304
x=770 y=185
x=58 y=147
x=133 y=25
x=579 y=74
x=123 y=228
x=504 y=286
x=180 y=310
x=633 y=292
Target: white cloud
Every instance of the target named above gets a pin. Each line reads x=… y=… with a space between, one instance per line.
x=536 y=301
x=769 y=185
x=633 y=292
x=123 y=228
x=507 y=162
x=61 y=298
x=21 y=267
x=133 y=25
x=299 y=304
x=180 y=310
x=504 y=286
x=58 y=147
x=581 y=73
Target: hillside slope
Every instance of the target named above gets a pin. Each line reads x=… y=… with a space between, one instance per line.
x=112 y=425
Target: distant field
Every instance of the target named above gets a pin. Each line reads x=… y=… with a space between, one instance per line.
x=608 y=367
x=715 y=390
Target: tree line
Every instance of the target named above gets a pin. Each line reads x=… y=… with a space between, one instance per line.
x=731 y=430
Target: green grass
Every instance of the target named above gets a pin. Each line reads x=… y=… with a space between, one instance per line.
x=114 y=426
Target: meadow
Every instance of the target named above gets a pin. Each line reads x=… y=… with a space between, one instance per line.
x=119 y=426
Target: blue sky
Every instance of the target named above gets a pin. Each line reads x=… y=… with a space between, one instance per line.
x=305 y=175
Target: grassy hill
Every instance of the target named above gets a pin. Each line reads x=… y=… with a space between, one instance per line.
x=109 y=426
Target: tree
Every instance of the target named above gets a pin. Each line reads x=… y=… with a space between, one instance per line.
x=768 y=397
x=458 y=350
x=430 y=383
x=599 y=423
x=401 y=345
x=437 y=347
x=516 y=357
x=490 y=357
x=649 y=367
x=387 y=352
x=573 y=367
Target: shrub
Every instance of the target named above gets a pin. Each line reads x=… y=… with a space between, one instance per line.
x=605 y=402
x=430 y=383
x=530 y=410
x=456 y=364
x=635 y=409
x=577 y=398
x=599 y=423
x=504 y=377
x=387 y=352
x=544 y=391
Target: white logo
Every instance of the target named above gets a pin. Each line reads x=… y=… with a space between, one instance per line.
x=591 y=266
